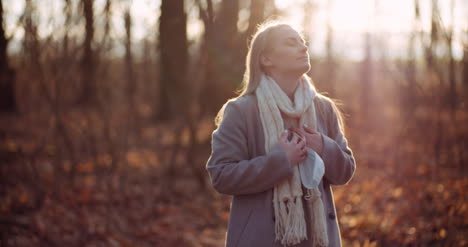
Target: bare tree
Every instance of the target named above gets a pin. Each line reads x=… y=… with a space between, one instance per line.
x=330 y=60
x=407 y=91
x=452 y=93
x=174 y=56
x=257 y=14
x=107 y=26
x=30 y=38
x=366 y=77
x=229 y=44
x=67 y=10
x=226 y=23
x=208 y=104
x=31 y=55
x=434 y=36
x=270 y=8
x=309 y=11
x=131 y=83
x=88 y=62
x=7 y=74
x=464 y=144
x=465 y=67
x=433 y=68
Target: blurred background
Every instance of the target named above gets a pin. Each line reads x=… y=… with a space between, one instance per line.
x=107 y=109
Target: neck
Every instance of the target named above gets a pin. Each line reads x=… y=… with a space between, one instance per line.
x=288 y=83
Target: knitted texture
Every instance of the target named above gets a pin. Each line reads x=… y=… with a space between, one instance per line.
x=290 y=225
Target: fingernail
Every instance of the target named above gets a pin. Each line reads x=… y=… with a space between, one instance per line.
x=305 y=125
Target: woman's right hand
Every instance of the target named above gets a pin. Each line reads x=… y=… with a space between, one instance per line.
x=295 y=148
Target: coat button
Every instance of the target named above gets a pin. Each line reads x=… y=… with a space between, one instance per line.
x=331 y=216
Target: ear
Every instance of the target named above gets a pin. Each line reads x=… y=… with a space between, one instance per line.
x=265 y=61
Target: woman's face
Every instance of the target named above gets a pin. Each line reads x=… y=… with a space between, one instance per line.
x=287 y=52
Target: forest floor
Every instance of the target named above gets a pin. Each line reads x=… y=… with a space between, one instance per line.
x=385 y=204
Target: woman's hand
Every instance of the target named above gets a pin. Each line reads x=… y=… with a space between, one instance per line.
x=295 y=148
x=313 y=138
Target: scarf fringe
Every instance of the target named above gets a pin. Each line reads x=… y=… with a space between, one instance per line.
x=291 y=228
x=320 y=235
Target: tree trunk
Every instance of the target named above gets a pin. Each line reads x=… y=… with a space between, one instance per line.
x=226 y=24
x=131 y=84
x=407 y=92
x=230 y=47
x=330 y=62
x=366 y=77
x=88 y=93
x=209 y=102
x=307 y=21
x=257 y=10
x=174 y=57
x=67 y=10
x=464 y=158
x=7 y=74
x=465 y=69
x=30 y=61
x=452 y=94
x=430 y=51
x=270 y=9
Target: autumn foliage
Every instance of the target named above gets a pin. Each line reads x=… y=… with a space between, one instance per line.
x=98 y=149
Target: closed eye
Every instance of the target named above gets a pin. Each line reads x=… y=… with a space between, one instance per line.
x=294 y=41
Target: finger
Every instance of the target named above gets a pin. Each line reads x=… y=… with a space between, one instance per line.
x=310 y=130
x=302 y=158
x=303 y=136
x=296 y=132
x=302 y=144
x=294 y=138
x=284 y=135
x=302 y=132
x=299 y=138
x=301 y=152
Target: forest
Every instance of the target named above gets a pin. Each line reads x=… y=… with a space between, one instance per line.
x=107 y=111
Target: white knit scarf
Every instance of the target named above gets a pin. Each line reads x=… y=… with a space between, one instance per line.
x=290 y=225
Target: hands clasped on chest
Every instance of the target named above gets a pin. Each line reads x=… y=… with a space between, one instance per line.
x=294 y=142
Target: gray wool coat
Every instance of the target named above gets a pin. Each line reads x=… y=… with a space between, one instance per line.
x=239 y=166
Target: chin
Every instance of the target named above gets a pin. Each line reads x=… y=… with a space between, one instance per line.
x=298 y=70
x=304 y=69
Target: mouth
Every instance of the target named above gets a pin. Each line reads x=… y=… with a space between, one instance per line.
x=303 y=57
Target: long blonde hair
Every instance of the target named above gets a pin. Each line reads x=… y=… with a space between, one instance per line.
x=259 y=43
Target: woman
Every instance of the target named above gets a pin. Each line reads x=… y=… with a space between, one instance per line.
x=259 y=162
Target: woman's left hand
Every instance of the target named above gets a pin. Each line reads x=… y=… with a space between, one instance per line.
x=313 y=138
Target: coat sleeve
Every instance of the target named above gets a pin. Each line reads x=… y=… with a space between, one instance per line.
x=230 y=169
x=337 y=156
